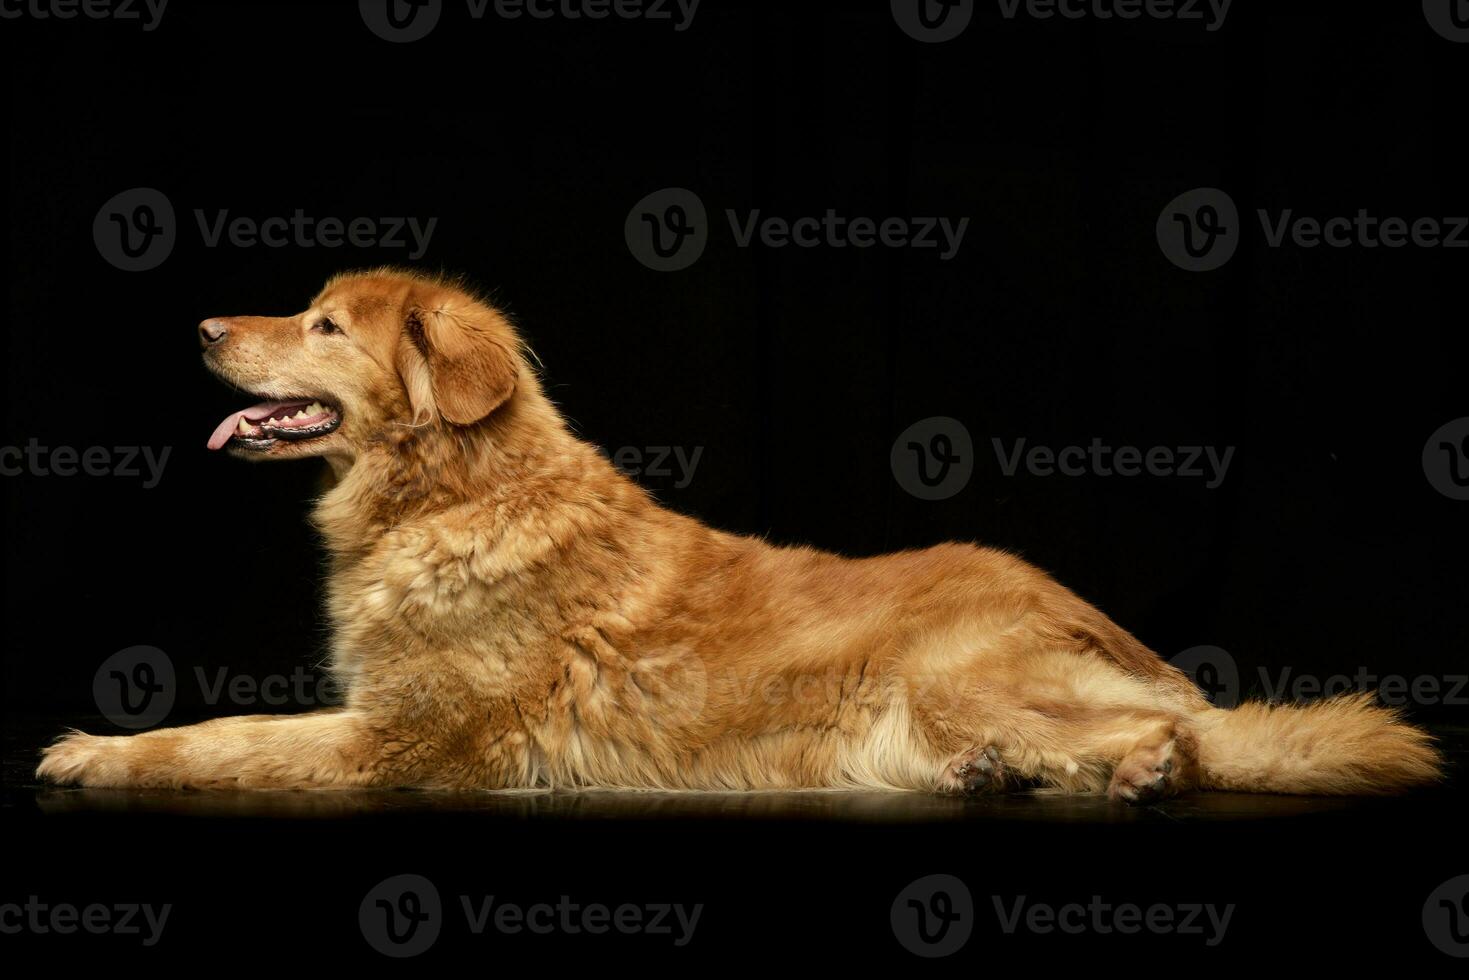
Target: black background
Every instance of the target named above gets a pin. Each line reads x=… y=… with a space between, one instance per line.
x=1325 y=550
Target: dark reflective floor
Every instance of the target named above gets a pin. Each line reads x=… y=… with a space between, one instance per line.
x=601 y=805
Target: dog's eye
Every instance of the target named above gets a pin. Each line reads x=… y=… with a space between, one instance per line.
x=326 y=326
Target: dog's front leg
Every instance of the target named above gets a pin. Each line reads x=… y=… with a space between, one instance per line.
x=323 y=749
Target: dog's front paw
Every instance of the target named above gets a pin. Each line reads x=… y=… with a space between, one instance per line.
x=78 y=759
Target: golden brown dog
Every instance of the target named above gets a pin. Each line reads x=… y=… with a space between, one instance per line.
x=510 y=611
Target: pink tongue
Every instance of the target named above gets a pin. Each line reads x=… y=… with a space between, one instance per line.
x=255 y=413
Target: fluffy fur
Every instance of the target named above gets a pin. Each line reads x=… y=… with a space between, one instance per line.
x=510 y=611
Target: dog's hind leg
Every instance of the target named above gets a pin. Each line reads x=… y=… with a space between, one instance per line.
x=1020 y=713
x=1138 y=755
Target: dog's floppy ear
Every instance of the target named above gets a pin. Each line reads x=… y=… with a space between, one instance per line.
x=456 y=356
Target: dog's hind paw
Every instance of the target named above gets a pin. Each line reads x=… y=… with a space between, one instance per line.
x=1146 y=776
x=981 y=771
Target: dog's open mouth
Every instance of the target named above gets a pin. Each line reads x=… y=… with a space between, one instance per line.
x=259 y=426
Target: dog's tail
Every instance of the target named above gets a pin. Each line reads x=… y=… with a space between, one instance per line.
x=1342 y=746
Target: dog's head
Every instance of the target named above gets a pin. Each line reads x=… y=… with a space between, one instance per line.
x=375 y=349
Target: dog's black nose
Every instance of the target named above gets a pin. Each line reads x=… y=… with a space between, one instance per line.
x=212 y=332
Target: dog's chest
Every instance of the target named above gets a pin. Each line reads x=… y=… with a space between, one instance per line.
x=419 y=593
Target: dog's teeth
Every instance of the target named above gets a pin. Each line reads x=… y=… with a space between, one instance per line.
x=244 y=427
x=301 y=414
x=272 y=420
x=315 y=408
